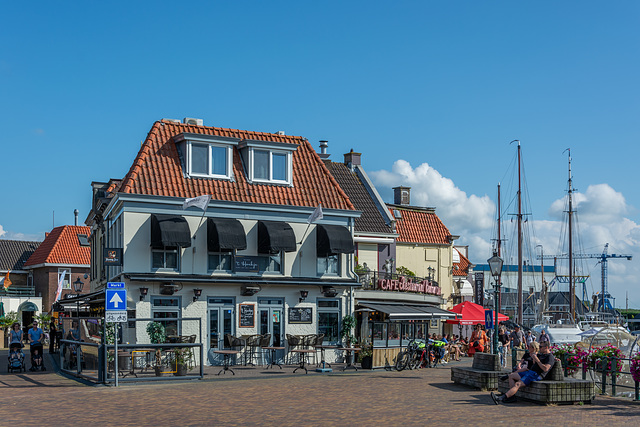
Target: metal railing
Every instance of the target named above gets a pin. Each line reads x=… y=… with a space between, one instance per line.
x=370 y=279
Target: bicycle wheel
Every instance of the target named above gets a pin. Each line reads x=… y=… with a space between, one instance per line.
x=416 y=361
x=402 y=360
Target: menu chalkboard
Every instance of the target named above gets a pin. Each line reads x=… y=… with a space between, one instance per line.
x=300 y=315
x=247 y=315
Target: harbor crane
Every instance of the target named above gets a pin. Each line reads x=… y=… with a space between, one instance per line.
x=603 y=302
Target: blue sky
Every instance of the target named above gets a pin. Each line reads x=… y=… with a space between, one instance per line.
x=430 y=92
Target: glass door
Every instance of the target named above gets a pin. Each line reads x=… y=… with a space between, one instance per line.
x=272 y=319
x=221 y=321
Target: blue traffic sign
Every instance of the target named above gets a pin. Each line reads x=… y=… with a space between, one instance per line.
x=115 y=285
x=115 y=299
x=488 y=319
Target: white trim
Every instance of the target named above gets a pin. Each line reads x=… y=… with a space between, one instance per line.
x=380 y=240
x=46 y=264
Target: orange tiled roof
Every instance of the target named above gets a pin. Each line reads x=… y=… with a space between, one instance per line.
x=157 y=170
x=420 y=226
x=461 y=268
x=61 y=246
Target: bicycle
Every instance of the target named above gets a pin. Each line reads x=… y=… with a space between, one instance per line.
x=407 y=355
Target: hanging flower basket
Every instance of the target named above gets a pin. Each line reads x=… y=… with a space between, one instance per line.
x=635 y=367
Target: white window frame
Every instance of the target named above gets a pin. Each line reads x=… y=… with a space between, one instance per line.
x=325 y=273
x=165 y=250
x=66 y=284
x=270 y=179
x=210 y=174
x=331 y=310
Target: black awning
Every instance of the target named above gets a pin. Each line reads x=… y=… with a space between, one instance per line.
x=333 y=239
x=225 y=234
x=169 y=230
x=275 y=236
x=410 y=312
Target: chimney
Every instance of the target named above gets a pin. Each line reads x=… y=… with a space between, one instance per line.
x=75 y=214
x=352 y=159
x=323 y=152
x=402 y=195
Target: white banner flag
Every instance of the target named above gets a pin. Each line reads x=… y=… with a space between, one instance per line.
x=199 y=202
x=316 y=215
x=60 y=283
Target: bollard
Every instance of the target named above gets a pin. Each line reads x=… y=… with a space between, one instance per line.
x=613 y=382
x=514 y=357
x=584 y=370
x=637 y=391
x=564 y=365
x=603 y=366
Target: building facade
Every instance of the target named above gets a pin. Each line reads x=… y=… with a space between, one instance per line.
x=254 y=258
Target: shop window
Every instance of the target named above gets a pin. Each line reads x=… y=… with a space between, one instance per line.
x=329 y=320
x=165 y=258
x=328 y=265
x=166 y=310
x=220 y=261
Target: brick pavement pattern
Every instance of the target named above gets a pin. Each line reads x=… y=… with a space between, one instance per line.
x=354 y=398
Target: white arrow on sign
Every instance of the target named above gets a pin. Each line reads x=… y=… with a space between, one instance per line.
x=115 y=299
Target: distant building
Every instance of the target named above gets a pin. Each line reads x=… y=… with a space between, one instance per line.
x=17 y=290
x=65 y=254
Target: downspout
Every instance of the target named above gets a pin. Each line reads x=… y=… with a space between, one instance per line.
x=351 y=268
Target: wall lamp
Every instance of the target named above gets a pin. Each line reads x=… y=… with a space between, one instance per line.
x=143 y=293
x=197 y=293
x=303 y=295
x=248 y=291
x=329 y=291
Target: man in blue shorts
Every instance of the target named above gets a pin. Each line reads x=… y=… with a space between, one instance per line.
x=542 y=364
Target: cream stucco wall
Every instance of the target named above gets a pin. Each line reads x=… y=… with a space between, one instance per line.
x=419 y=258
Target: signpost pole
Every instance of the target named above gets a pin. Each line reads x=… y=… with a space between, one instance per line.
x=115 y=350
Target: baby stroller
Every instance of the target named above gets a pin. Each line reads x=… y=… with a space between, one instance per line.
x=16 y=358
x=37 y=363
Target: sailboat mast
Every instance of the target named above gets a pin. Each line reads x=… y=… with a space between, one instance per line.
x=519 y=238
x=572 y=289
x=499 y=248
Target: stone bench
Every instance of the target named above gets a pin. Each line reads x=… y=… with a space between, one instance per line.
x=556 y=389
x=483 y=374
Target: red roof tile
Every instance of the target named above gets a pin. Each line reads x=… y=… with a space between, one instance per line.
x=157 y=170
x=61 y=246
x=420 y=226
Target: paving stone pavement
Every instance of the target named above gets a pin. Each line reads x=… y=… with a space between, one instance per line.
x=355 y=398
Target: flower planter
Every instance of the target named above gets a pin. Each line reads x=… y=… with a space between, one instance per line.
x=367 y=362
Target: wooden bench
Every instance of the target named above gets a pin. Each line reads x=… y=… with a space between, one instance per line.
x=483 y=374
x=555 y=389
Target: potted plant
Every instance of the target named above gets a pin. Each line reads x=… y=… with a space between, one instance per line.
x=346 y=333
x=365 y=356
x=157 y=335
x=182 y=361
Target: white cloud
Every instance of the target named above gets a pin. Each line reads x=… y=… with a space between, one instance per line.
x=10 y=235
x=602 y=218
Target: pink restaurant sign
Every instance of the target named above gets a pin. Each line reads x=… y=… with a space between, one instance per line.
x=405 y=285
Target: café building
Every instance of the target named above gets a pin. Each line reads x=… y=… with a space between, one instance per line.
x=241 y=232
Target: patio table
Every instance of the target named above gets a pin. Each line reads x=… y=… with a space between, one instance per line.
x=274 y=361
x=227 y=359
x=303 y=354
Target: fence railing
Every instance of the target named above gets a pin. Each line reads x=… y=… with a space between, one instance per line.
x=370 y=279
x=606 y=367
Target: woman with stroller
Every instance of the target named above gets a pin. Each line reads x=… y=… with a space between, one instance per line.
x=16 y=336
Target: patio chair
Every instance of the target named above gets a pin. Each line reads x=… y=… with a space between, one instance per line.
x=251 y=344
x=309 y=343
x=293 y=342
x=265 y=341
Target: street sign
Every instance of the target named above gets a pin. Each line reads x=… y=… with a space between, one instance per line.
x=115 y=285
x=488 y=319
x=115 y=316
x=115 y=299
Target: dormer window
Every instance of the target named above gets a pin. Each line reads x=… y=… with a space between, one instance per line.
x=205 y=156
x=268 y=162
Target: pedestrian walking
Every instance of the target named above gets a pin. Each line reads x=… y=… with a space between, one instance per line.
x=517 y=338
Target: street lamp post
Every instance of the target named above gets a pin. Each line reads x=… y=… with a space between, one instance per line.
x=77 y=287
x=495 y=265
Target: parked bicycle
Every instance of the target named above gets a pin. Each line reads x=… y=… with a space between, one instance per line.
x=406 y=356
